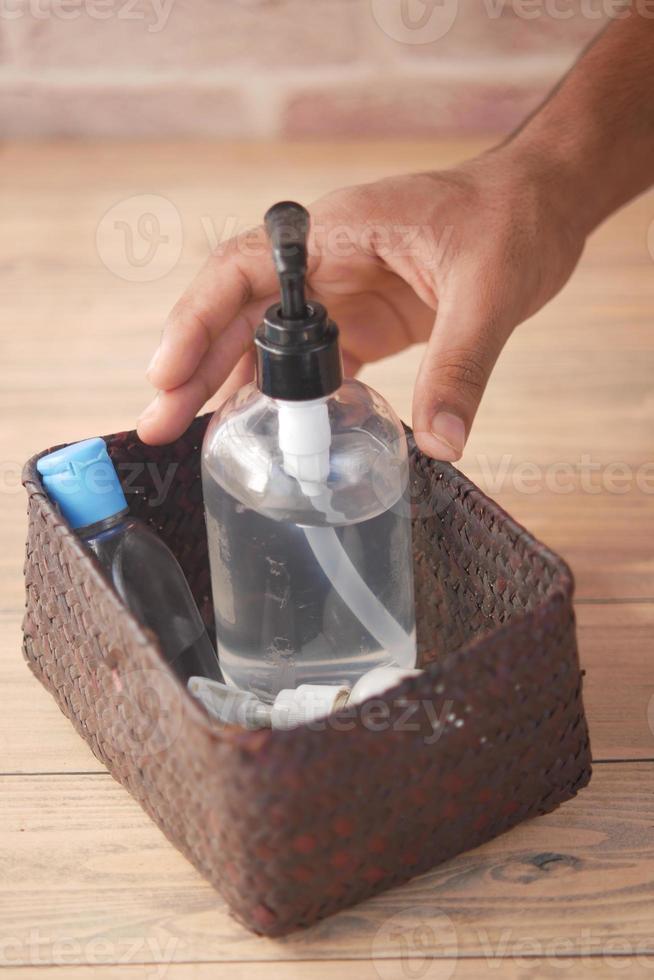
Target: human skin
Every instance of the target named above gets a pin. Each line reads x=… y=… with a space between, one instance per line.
x=454 y=258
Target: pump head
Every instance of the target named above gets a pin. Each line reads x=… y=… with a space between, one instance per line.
x=298 y=354
x=287 y=224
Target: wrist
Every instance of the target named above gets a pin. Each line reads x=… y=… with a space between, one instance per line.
x=564 y=189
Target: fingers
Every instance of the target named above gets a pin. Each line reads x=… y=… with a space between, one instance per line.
x=241 y=273
x=169 y=414
x=242 y=374
x=461 y=353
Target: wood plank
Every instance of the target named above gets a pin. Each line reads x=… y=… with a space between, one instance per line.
x=518 y=965
x=82 y=863
x=615 y=648
x=34 y=735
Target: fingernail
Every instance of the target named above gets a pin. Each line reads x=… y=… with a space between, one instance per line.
x=150 y=409
x=155 y=357
x=450 y=431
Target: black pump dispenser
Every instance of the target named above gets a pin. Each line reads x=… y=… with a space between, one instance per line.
x=298 y=354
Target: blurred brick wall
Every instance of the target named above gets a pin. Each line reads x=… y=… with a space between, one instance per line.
x=296 y=68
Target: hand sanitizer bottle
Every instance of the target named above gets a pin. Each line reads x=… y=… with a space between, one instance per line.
x=303 y=478
x=82 y=481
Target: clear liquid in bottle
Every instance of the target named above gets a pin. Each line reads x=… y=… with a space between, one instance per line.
x=306 y=591
x=303 y=476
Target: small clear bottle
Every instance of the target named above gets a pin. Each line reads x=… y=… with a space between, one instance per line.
x=304 y=477
x=82 y=480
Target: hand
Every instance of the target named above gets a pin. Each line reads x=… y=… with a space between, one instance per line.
x=456 y=258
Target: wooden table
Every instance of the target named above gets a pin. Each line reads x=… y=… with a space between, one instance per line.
x=86 y=878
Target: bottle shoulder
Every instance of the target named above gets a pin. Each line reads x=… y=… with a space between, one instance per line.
x=145 y=573
x=367 y=466
x=127 y=529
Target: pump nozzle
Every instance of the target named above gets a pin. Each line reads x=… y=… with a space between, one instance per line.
x=298 y=357
x=287 y=224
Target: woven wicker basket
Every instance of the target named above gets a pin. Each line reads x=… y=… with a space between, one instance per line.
x=291 y=826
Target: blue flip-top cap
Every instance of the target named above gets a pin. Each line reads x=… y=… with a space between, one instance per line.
x=83 y=481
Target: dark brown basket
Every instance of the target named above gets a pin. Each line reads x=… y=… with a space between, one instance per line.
x=291 y=826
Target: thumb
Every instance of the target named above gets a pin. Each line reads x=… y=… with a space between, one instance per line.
x=461 y=353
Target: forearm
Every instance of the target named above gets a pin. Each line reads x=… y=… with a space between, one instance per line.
x=592 y=140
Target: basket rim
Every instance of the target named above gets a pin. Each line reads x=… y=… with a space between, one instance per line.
x=471 y=497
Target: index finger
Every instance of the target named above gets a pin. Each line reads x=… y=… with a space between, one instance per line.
x=241 y=271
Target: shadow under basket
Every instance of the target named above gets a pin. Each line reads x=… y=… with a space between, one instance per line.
x=292 y=826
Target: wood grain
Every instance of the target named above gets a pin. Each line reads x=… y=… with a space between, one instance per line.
x=83 y=863
x=522 y=965
x=615 y=645
x=86 y=878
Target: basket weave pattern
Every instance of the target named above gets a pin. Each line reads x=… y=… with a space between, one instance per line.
x=291 y=826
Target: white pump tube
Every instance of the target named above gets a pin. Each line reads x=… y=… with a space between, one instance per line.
x=356 y=594
x=305 y=440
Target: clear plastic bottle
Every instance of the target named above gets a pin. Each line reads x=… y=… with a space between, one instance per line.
x=82 y=481
x=303 y=479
